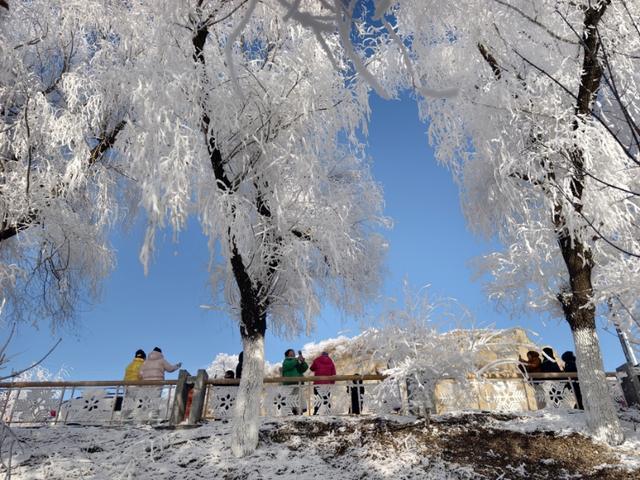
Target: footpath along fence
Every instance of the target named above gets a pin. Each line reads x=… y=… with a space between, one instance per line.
x=193 y=399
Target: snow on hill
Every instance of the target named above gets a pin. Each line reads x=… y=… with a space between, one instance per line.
x=463 y=446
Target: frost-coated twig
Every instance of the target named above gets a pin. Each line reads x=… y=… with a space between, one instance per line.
x=33 y=365
x=7 y=436
x=3 y=350
x=228 y=48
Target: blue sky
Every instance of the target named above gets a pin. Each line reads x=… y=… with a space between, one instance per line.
x=429 y=244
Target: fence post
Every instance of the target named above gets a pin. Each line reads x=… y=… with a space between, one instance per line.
x=180 y=398
x=199 y=394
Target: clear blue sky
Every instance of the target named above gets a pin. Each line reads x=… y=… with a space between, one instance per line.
x=429 y=244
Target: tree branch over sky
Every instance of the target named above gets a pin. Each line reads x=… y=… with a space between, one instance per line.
x=62 y=110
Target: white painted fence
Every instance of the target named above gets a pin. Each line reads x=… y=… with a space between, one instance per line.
x=113 y=402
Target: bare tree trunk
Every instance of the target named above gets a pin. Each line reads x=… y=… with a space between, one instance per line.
x=246 y=415
x=253 y=325
x=601 y=415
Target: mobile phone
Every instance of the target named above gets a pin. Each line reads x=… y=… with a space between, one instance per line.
x=299 y=352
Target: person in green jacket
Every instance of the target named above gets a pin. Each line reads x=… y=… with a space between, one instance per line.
x=293 y=366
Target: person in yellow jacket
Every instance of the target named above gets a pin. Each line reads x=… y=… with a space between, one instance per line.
x=132 y=372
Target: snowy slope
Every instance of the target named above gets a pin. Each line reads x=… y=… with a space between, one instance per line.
x=453 y=446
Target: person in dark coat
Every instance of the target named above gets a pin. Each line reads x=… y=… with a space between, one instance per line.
x=549 y=363
x=569 y=360
x=239 y=366
x=532 y=364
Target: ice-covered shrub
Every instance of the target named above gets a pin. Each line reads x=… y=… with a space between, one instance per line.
x=424 y=341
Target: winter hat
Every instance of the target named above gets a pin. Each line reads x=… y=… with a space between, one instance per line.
x=549 y=352
x=157 y=349
x=140 y=354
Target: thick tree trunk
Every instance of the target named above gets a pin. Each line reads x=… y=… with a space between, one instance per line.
x=253 y=325
x=246 y=415
x=601 y=416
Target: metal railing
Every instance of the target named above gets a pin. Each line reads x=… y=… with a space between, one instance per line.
x=86 y=402
x=539 y=391
x=154 y=402
x=283 y=396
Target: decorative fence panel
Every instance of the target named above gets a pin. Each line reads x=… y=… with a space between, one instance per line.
x=515 y=394
x=86 y=403
x=108 y=403
x=555 y=394
x=283 y=400
x=220 y=401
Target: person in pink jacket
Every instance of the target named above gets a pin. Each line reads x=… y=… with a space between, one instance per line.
x=155 y=365
x=323 y=366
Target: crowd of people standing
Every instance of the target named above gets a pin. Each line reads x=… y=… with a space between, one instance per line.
x=549 y=364
x=152 y=367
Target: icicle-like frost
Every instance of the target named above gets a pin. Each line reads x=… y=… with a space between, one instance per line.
x=246 y=415
x=600 y=412
x=344 y=20
x=228 y=49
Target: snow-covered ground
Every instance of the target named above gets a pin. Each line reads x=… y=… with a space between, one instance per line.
x=468 y=445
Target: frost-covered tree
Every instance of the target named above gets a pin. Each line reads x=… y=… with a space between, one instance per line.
x=243 y=122
x=543 y=135
x=221 y=364
x=422 y=341
x=540 y=139
x=62 y=109
x=219 y=109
